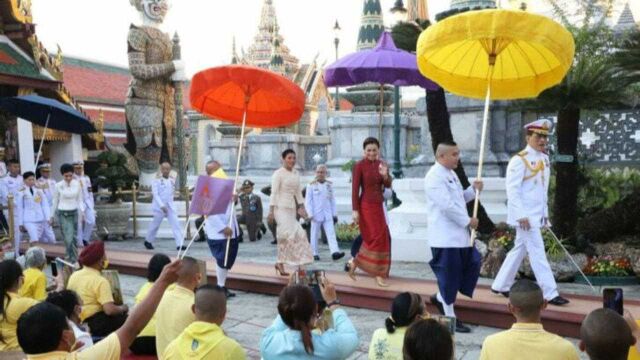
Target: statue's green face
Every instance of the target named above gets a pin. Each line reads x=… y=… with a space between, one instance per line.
x=156 y=10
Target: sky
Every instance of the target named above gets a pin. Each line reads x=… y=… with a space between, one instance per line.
x=97 y=29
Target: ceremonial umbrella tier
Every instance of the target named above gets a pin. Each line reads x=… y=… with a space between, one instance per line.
x=48 y=113
x=247 y=96
x=385 y=65
x=495 y=55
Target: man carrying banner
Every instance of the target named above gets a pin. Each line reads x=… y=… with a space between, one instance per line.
x=163 y=206
x=218 y=230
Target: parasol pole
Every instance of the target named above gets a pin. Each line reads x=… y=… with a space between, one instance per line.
x=235 y=181
x=184 y=234
x=381 y=106
x=192 y=239
x=485 y=121
x=44 y=132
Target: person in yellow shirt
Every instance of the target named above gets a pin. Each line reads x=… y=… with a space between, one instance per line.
x=35 y=281
x=527 y=339
x=44 y=332
x=13 y=305
x=174 y=312
x=387 y=343
x=204 y=338
x=145 y=343
x=634 y=325
x=605 y=335
x=99 y=310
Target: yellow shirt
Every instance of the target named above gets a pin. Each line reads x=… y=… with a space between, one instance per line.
x=93 y=289
x=35 y=284
x=9 y=320
x=173 y=315
x=385 y=346
x=107 y=349
x=527 y=341
x=634 y=353
x=150 y=329
x=204 y=341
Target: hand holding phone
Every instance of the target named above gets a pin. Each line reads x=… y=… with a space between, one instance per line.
x=612 y=298
x=54 y=269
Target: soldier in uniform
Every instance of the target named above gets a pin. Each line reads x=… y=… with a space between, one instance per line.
x=527 y=185
x=9 y=185
x=32 y=208
x=47 y=185
x=251 y=205
x=217 y=230
x=86 y=223
x=163 y=206
x=320 y=203
x=456 y=263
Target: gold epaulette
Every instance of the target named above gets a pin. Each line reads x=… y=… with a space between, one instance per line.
x=313 y=182
x=534 y=171
x=523 y=153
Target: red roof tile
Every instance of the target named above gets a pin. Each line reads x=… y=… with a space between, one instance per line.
x=7 y=59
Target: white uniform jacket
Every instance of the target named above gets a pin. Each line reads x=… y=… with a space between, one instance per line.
x=87 y=194
x=10 y=185
x=32 y=208
x=320 y=201
x=527 y=185
x=163 y=190
x=47 y=186
x=447 y=216
x=215 y=225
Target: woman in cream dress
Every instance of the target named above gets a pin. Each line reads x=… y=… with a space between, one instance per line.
x=286 y=201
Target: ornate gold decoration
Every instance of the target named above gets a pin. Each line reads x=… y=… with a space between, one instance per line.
x=98 y=136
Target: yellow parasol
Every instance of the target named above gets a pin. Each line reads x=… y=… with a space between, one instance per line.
x=495 y=55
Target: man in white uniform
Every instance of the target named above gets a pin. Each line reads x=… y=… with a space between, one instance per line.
x=320 y=203
x=86 y=223
x=32 y=208
x=163 y=206
x=527 y=185
x=456 y=263
x=9 y=185
x=47 y=185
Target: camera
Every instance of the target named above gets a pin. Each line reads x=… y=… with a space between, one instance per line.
x=313 y=279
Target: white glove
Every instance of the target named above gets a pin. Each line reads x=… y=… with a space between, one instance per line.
x=179 y=74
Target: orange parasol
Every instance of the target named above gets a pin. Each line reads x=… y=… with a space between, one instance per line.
x=247 y=96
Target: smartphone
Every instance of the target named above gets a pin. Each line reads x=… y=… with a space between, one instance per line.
x=612 y=299
x=448 y=322
x=54 y=269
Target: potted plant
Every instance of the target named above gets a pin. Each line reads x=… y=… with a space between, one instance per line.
x=607 y=270
x=347 y=232
x=113 y=214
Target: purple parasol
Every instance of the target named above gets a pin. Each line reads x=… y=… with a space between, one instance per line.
x=384 y=64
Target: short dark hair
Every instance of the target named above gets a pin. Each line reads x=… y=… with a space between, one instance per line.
x=66 y=168
x=155 y=266
x=606 y=335
x=370 y=140
x=40 y=328
x=526 y=295
x=211 y=301
x=28 y=174
x=13 y=161
x=448 y=143
x=287 y=152
x=427 y=340
x=66 y=300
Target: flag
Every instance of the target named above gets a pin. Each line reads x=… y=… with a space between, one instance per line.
x=212 y=196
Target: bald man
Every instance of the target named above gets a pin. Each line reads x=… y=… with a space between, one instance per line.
x=204 y=338
x=163 y=206
x=605 y=335
x=527 y=339
x=175 y=312
x=455 y=262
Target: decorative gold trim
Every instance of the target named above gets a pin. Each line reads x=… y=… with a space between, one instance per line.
x=21 y=11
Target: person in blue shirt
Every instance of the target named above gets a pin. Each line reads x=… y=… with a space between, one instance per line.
x=292 y=334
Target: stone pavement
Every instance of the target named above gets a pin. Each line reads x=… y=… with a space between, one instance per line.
x=263 y=252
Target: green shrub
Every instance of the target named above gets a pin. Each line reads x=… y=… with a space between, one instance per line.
x=113 y=173
x=348 y=167
x=618 y=220
x=347 y=232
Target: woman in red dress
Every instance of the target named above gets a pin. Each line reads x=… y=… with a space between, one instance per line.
x=370 y=177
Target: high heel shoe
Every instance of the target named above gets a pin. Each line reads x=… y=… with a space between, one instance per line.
x=380 y=282
x=280 y=270
x=352 y=269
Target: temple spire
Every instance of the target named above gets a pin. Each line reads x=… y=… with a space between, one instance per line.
x=277 y=62
x=626 y=21
x=234 y=54
x=371 y=24
x=472 y=4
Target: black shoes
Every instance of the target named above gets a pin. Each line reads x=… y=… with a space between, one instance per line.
x=462 y=328
x=228 y=293
x=274 y=242
x=148 y=245
x=438 y=304
x=181 y=247
x=503 y=293
x=316 y=258
x=337 y=256
x=558 y=301
x=85 y=243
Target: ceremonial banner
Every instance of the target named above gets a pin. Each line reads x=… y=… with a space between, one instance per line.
x=114 y=280
x=212 y=196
